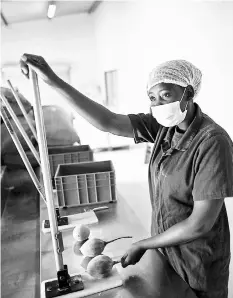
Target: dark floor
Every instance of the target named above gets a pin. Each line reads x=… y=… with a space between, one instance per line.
x=20 y=247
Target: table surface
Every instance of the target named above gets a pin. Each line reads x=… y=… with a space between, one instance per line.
x=151 y=277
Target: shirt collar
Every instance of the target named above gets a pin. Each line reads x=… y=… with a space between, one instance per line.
x=189 y=134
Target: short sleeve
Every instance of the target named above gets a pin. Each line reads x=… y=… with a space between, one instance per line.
x=214 y=169
x=145 y=127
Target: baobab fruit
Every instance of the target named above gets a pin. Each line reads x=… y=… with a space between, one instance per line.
x=81 y=232
x=100 y=266
x=85 y=262
x=76 y=247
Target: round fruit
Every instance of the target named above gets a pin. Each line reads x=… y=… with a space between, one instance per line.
x=76 y=247
x=100 y=266
x=81 y=232
x=93 y=247
x=85 y=262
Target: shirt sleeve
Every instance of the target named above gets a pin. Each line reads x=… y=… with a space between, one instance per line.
x=214 y=169
x=145 y=127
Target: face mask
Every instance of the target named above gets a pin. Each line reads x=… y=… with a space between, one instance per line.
x=169 y=114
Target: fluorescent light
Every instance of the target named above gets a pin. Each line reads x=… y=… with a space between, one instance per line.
x=51 y=10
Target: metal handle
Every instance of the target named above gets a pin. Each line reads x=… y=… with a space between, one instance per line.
x=20 y=128
x=18 y=100
x=22 y=153
x=45 y=168
x=100 y=208
x=96 y=209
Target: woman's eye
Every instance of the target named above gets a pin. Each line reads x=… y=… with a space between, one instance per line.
x=166 y=95
x=152 y=98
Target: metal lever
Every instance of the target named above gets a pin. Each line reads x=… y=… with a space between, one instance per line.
x=17 y=98
x=20 y=127
x=45 y=168
x=22 y=153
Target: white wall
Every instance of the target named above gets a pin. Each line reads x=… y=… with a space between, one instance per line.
x=67 y=41
x=137 y=35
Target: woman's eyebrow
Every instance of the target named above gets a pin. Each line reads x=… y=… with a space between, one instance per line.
x=160 y=90
x=151 y=93
x=164 y=89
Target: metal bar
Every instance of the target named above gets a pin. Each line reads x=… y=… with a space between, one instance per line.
x=4 y=19
x=95 y=187
x=78 y=196
x=20 y=128
x=62 y=189
x=94 y=6
x=17 y=98
x=23 y=155
x=86 y=188
x=110 y=186
x=45 y=168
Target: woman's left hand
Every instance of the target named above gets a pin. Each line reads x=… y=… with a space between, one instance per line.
x=133 y=255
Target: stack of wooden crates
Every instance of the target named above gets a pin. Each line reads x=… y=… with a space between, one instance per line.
x=78 y=179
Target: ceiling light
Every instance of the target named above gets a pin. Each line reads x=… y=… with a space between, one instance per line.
x=51 y=9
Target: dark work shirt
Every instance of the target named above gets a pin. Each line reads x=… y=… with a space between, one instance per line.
x=186 y=167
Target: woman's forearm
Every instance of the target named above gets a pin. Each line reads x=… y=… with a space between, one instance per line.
x=180 y=233
x=94 y=113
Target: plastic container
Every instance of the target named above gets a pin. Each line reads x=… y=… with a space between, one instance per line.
x=85 y=183
x=68 y=154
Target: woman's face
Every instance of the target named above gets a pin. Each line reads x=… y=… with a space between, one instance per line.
x=165 y=93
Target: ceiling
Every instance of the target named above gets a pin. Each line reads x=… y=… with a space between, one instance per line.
x=24 y=11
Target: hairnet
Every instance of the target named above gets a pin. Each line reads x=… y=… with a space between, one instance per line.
x=179 y=72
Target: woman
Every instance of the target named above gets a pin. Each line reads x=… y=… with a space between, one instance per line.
x=190 y=171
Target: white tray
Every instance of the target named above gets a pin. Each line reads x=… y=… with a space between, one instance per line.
x=91 y=285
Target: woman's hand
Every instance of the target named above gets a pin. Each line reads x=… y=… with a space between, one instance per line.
x=133 y=255
x=39 y=65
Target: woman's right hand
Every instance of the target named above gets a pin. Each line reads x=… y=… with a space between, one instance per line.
x=39 y=65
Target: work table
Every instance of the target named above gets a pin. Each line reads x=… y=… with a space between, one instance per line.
x=151 y=277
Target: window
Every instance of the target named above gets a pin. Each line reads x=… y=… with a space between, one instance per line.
x=111 y=87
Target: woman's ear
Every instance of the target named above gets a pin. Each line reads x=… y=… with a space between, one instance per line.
x=190 y=92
